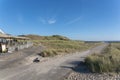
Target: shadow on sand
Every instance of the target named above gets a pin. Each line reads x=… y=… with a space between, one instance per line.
x=79 y=66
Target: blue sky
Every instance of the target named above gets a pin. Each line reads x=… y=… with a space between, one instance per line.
x=76 y=19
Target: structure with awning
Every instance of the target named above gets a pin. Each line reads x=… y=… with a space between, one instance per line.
x=10 y=43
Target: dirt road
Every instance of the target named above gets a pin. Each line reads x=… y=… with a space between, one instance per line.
x=49 y=69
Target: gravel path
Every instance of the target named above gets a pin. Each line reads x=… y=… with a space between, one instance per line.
x=93 y=76
x=81 y=72
x=48 y=69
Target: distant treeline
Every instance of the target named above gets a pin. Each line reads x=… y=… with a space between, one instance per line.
x=93 y=41
x=112 y=41
x=102 y=41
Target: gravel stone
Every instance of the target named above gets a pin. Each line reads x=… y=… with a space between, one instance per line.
x=92 y=76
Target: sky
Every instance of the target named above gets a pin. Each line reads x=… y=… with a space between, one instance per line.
x=76 y=19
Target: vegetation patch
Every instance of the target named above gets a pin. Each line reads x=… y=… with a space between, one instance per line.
x=107 y=61
x=38 y=37
x=59 y=45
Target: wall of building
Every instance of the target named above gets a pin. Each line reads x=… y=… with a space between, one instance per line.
x=20 y=46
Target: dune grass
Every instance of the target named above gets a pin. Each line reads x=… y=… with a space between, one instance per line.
x=107 y=61
x=61 y=47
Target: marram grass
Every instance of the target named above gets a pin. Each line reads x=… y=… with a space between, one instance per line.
x=107 y=61
x=59 y=47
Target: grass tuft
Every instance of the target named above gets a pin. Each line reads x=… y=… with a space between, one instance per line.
x=108 y=61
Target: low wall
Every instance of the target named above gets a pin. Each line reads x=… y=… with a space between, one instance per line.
x=20 y=46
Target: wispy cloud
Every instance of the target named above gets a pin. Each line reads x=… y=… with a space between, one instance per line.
x=74 y=20
x=51 y=21
x=48 y=20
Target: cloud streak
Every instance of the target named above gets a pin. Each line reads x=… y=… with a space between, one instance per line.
x=74 y=21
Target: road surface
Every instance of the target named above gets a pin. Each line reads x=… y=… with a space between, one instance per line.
x=49 y=69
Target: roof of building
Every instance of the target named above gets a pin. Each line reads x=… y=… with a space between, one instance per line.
x=5 y=36
x=22 y=38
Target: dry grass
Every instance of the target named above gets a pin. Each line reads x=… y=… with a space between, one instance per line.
x=55 y=47
x=58 y=45
x=108 y=61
